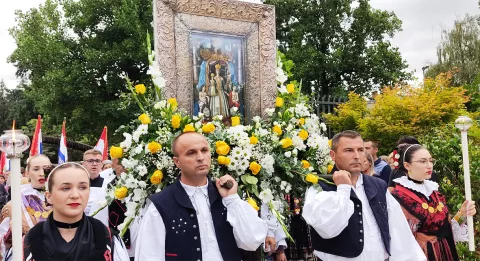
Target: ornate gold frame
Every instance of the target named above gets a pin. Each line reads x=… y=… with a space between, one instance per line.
x=174 y=20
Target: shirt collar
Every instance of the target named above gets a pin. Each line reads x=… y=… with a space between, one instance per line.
x=359 y=181
x=191 y=189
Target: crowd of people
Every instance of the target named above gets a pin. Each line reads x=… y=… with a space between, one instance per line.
x=377 y=210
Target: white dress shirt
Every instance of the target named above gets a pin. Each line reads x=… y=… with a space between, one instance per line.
x=328 y=213
x=248 y=229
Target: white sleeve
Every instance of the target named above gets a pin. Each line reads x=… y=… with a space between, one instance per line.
x=249 y=229
x=267 y=216
x=401 y=237
x=328 y=212
x=460 y=231
x=150 y=243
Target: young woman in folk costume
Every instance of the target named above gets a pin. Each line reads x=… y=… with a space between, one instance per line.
x=34 y=208
x=68 y=234
x=426 y=208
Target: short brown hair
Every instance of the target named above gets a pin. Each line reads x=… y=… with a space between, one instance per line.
x=344 y=134
x=91 y=152
x=67 y=165
x=374 y=143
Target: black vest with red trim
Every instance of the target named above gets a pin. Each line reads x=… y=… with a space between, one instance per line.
x=350 y=242
x=182 y=241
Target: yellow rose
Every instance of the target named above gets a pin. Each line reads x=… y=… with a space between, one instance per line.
x=157 y=177
x=189 y=128
x=312 y=178
x=253 y=140
x=222 y=148
x=303 y=134
x=277 y=129
x=235 y=121
x=330 y=143
x=176 y=121
x=287 y=142
x=173 y=102
x=329 y=168
x=255 y=167
x=279 y=102
x=154 y=147
x=116 y=152
x=305 y=164
x=301 y=121
x=144 y=119
x=208 y=128
x=121 y=193
x=222 y=160
x=140 y=89
x=253 y=203
x=290 y=88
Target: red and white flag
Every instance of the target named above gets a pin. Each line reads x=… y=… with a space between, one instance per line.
x=37 y=147
x=102 y=144
x=4 y=163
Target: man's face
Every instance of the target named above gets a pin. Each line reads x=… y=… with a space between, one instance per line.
x=193 y=155
x=370 y=148
x=93 y=163
x=349 y=155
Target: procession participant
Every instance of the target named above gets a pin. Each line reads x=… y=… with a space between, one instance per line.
x=68 y=234
x=107 y=164
x=34 y=209
x=382 y=169
x=275 y=242
x=426 y=208
x=368 y=165
x=357 y=219
x=196 y=218
x=92 y=161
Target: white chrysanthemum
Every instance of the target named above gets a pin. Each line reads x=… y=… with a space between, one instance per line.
x=267 y=162
x=298 y=143
x=127 y=143
x=142 y=170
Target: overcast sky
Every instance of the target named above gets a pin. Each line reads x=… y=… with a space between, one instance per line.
x=422 y=24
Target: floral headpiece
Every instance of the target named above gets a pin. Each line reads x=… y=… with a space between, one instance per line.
x=395 y=158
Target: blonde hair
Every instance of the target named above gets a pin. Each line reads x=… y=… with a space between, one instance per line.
x=372 y=164
x=91 y=152
x=29 y=160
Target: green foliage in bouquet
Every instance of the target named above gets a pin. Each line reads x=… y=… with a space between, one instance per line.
x=270 y=158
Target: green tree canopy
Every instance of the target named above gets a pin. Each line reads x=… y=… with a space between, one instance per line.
x=74 y=52
x=339 y=45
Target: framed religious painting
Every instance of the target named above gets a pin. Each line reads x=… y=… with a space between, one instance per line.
x=217 y=56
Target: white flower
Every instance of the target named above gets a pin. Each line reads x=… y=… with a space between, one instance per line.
x=266 y=196
x=142 y=170
x=160 y=105
x=397 y=156
x=257 y=119
x=282 y=89
x=395 y=164
x=288 y=188
x=288 y=154
x=131 y=209
x=270 y=111
x=323 y=126
x=281 y=77
x=267 y=162
x=121 y=226
x=298 y=143
x=127 y=143
x=138 y=194
x=142 y=184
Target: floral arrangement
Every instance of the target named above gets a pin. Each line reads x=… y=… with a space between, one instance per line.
x=270 y=158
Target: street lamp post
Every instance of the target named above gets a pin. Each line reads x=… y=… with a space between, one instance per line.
x=463 y=123
x=13 y=143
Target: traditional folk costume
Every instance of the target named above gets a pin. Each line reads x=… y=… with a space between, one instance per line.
x=194 y=223
x=427 y=214
x=97 y=200
x=359 y=223
x=34 y=211
x=92 y=242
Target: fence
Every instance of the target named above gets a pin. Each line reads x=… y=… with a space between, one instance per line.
x=326 y=104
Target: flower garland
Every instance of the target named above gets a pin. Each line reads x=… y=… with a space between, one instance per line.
x=270 y=158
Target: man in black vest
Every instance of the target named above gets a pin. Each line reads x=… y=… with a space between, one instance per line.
x=356 y=218
x=196 y=218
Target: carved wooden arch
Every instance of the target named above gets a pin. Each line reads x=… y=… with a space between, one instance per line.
x=174 y=20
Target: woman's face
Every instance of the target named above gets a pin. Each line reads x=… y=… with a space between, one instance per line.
x=366 y=166
x=69 y=193
x=36 y=172
x=421 y=166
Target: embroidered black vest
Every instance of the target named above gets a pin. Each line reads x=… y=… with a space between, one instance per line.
x=350 y=242
x=182 y=241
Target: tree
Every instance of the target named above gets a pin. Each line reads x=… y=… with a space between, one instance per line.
x=339 y=45
x=74 y=52
x=14 y=105
x=404 y=110
x=459 y=50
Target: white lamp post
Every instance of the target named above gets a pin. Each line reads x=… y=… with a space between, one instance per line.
x=464 y=123
x=13 y=143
